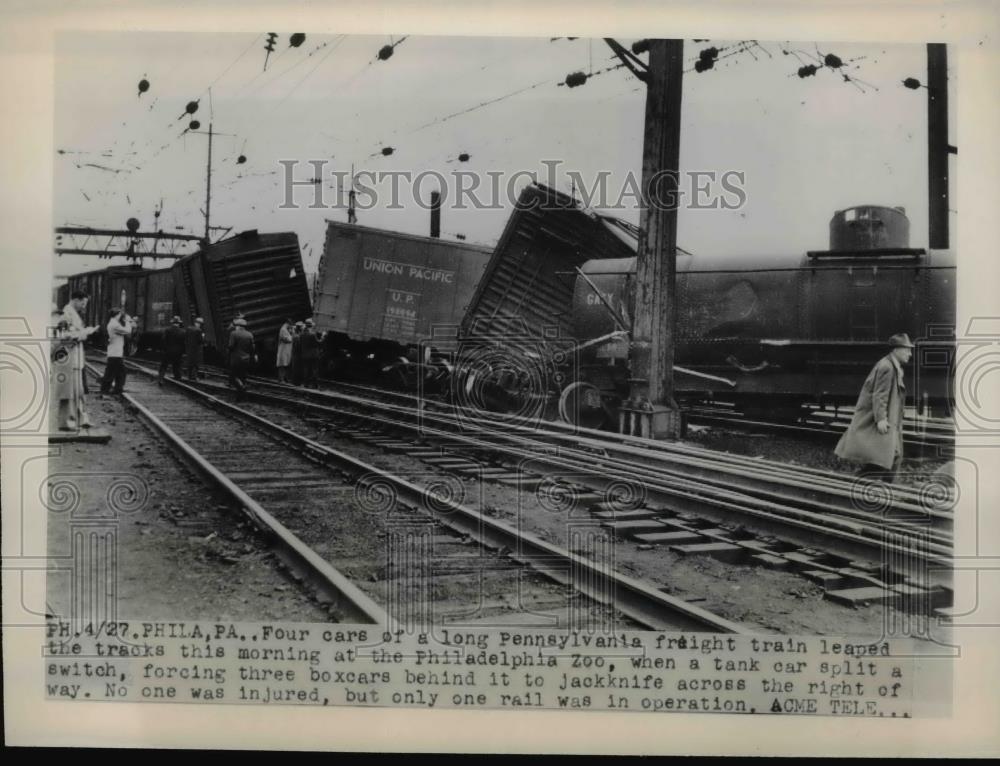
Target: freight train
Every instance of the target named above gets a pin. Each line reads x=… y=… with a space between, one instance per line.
x=541 y=323
x=259 y=276
x=148 y=295
x=381 y=297
x=771 y=333
x=767 y=332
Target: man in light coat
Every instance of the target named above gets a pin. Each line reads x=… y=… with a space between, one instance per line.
x=875 y=436
x=284 y=356
x=119 y=328
x=69 y=364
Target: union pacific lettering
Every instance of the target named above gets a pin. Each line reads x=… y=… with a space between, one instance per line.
x=413 y=272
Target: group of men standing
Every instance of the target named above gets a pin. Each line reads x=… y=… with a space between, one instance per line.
x=182 y=347
x=297 y=360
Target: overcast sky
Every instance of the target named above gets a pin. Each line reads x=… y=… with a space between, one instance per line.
x=807 y=146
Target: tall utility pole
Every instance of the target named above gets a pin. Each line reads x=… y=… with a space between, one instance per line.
x=937 y=144
x=208 y=188
x=651 y=410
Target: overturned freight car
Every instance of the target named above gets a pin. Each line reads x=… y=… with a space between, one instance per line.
x=257 y=275
x=527 y=287
x=517 y=349
x=380 y=293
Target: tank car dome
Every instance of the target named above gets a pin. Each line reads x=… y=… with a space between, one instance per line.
x=869 y=227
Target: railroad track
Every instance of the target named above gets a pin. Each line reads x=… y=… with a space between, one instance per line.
x=861 y=540
x=383 y=548
x=926 y=435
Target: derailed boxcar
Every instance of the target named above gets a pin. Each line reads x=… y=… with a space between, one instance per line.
x=528 y=284
x=517 y=347
x=381 y=291
x=257 y=275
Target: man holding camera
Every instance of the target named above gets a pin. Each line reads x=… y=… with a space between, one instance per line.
x=119 y=327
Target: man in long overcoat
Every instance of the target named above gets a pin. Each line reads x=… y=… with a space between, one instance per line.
x=194 y=347
x=309 y=349
x=69 y=362
x=242 y=353
x=283 y=359
x=875 y=436
x=173 y=349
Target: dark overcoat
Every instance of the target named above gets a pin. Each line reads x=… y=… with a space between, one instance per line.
x=194 y=343
x=241 y=346
x=882 y=397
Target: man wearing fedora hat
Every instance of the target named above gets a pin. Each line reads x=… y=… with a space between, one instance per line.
x=309 y=350
x=173 y=349
x=875 y=436
x=194 y=347
x=242 y=353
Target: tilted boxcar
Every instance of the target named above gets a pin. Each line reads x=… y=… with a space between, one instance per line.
x=384 y=289
x=528 y=284
x=257 y=275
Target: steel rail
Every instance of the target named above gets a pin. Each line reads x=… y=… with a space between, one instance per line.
x=811 y=477
x=819 y=490
x=853 y=539
x=831 y=429
x=717 y=469
x=329 y=582
x=754 y=470
x=633 y=598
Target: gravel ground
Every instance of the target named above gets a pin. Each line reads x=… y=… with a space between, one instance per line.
x=182 y=554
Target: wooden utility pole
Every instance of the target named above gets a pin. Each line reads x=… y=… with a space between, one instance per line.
x=937 y=144
x=651 y=410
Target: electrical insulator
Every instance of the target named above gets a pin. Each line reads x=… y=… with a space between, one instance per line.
x=912 y=83
x=194 y=125
x=241 y=159
x=271 y=37
x=702 y=65
x=143 y=86
x=575 y=79
x=640 y=46
x=384 y=52
x=463 y=157
x=708 y=54
x=807 y=71
x=833 y=61
x=191 y=107
x=297 y=39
